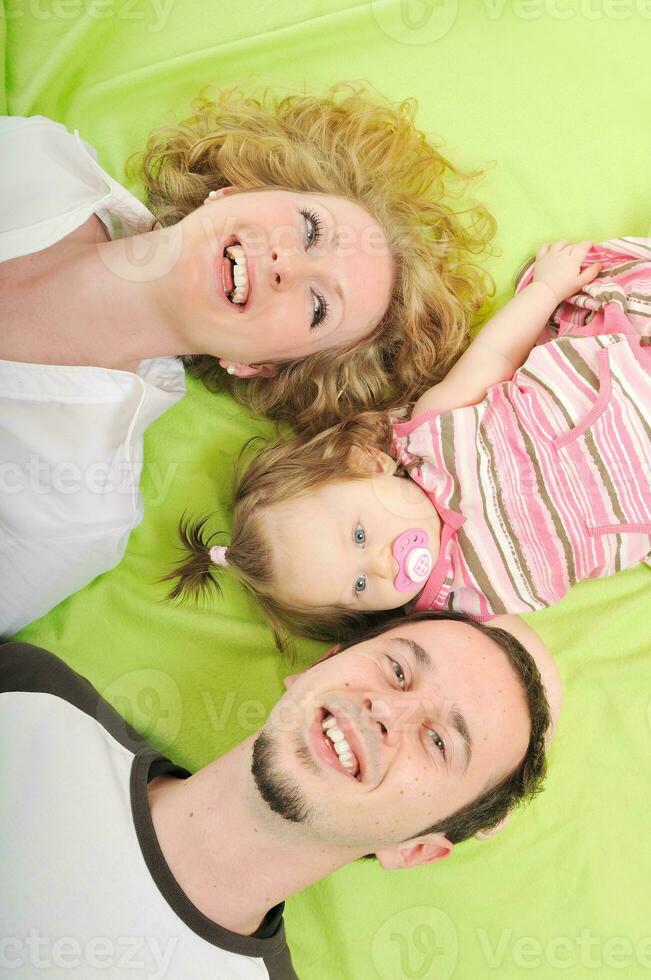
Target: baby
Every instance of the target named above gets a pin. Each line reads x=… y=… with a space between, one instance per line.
x=514 y=478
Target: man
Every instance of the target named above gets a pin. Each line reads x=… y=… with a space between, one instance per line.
x=119 y=863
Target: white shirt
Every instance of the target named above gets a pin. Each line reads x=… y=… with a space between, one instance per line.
x=71 y=438
x=86 y=890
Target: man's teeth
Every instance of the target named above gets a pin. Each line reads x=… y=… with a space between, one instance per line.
x=341 y=746
x=240 y=273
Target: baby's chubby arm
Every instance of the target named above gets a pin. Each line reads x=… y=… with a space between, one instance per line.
x=505 y=341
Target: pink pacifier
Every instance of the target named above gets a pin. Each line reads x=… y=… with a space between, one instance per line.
x=412 y=552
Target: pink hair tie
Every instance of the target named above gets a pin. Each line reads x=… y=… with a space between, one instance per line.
x=218 y=554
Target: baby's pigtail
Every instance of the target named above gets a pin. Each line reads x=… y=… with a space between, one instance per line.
x=194 y=574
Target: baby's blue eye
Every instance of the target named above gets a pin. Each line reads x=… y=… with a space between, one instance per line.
x=360 y=535
x=360 y=583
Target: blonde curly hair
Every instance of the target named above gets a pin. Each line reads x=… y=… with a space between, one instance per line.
x=352 y=143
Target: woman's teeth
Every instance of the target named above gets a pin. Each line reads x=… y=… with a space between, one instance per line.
x=240 y=274
x=341 y=746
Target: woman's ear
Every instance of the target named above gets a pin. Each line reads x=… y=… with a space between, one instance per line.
x=222 y=192
x=249 y=370
x=372 y=460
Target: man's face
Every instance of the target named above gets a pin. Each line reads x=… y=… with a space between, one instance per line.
x=426 y=717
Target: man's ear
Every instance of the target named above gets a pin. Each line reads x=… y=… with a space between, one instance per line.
x=291 y=678
x=490 y=831
x=329 y=653
x=371 y=460
x=422 y=850
x=249 y=370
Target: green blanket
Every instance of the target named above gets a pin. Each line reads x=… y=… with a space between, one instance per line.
x=554 y=95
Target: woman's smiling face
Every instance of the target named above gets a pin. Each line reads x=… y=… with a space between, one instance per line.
x=272 y=275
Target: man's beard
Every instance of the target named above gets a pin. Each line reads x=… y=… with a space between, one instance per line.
x=281 y=792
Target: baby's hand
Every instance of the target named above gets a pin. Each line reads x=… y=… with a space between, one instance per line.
x=559 y=267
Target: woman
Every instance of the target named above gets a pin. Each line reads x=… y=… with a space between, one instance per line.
x=301 y=244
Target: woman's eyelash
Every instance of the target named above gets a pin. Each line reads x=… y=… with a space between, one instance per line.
x=320 y=310
x=313 y=233
x=314 y=227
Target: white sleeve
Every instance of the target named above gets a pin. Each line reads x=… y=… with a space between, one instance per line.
x=49 y=184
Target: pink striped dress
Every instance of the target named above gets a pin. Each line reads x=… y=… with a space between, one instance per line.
x=617 y=301
x=546 y=482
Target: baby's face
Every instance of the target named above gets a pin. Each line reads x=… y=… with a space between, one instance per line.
x=334 y=546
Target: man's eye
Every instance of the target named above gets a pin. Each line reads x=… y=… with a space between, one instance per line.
x=399 y=673
x=313 y=227
x=359 y=535
x=360 y=584
x=438 y=741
